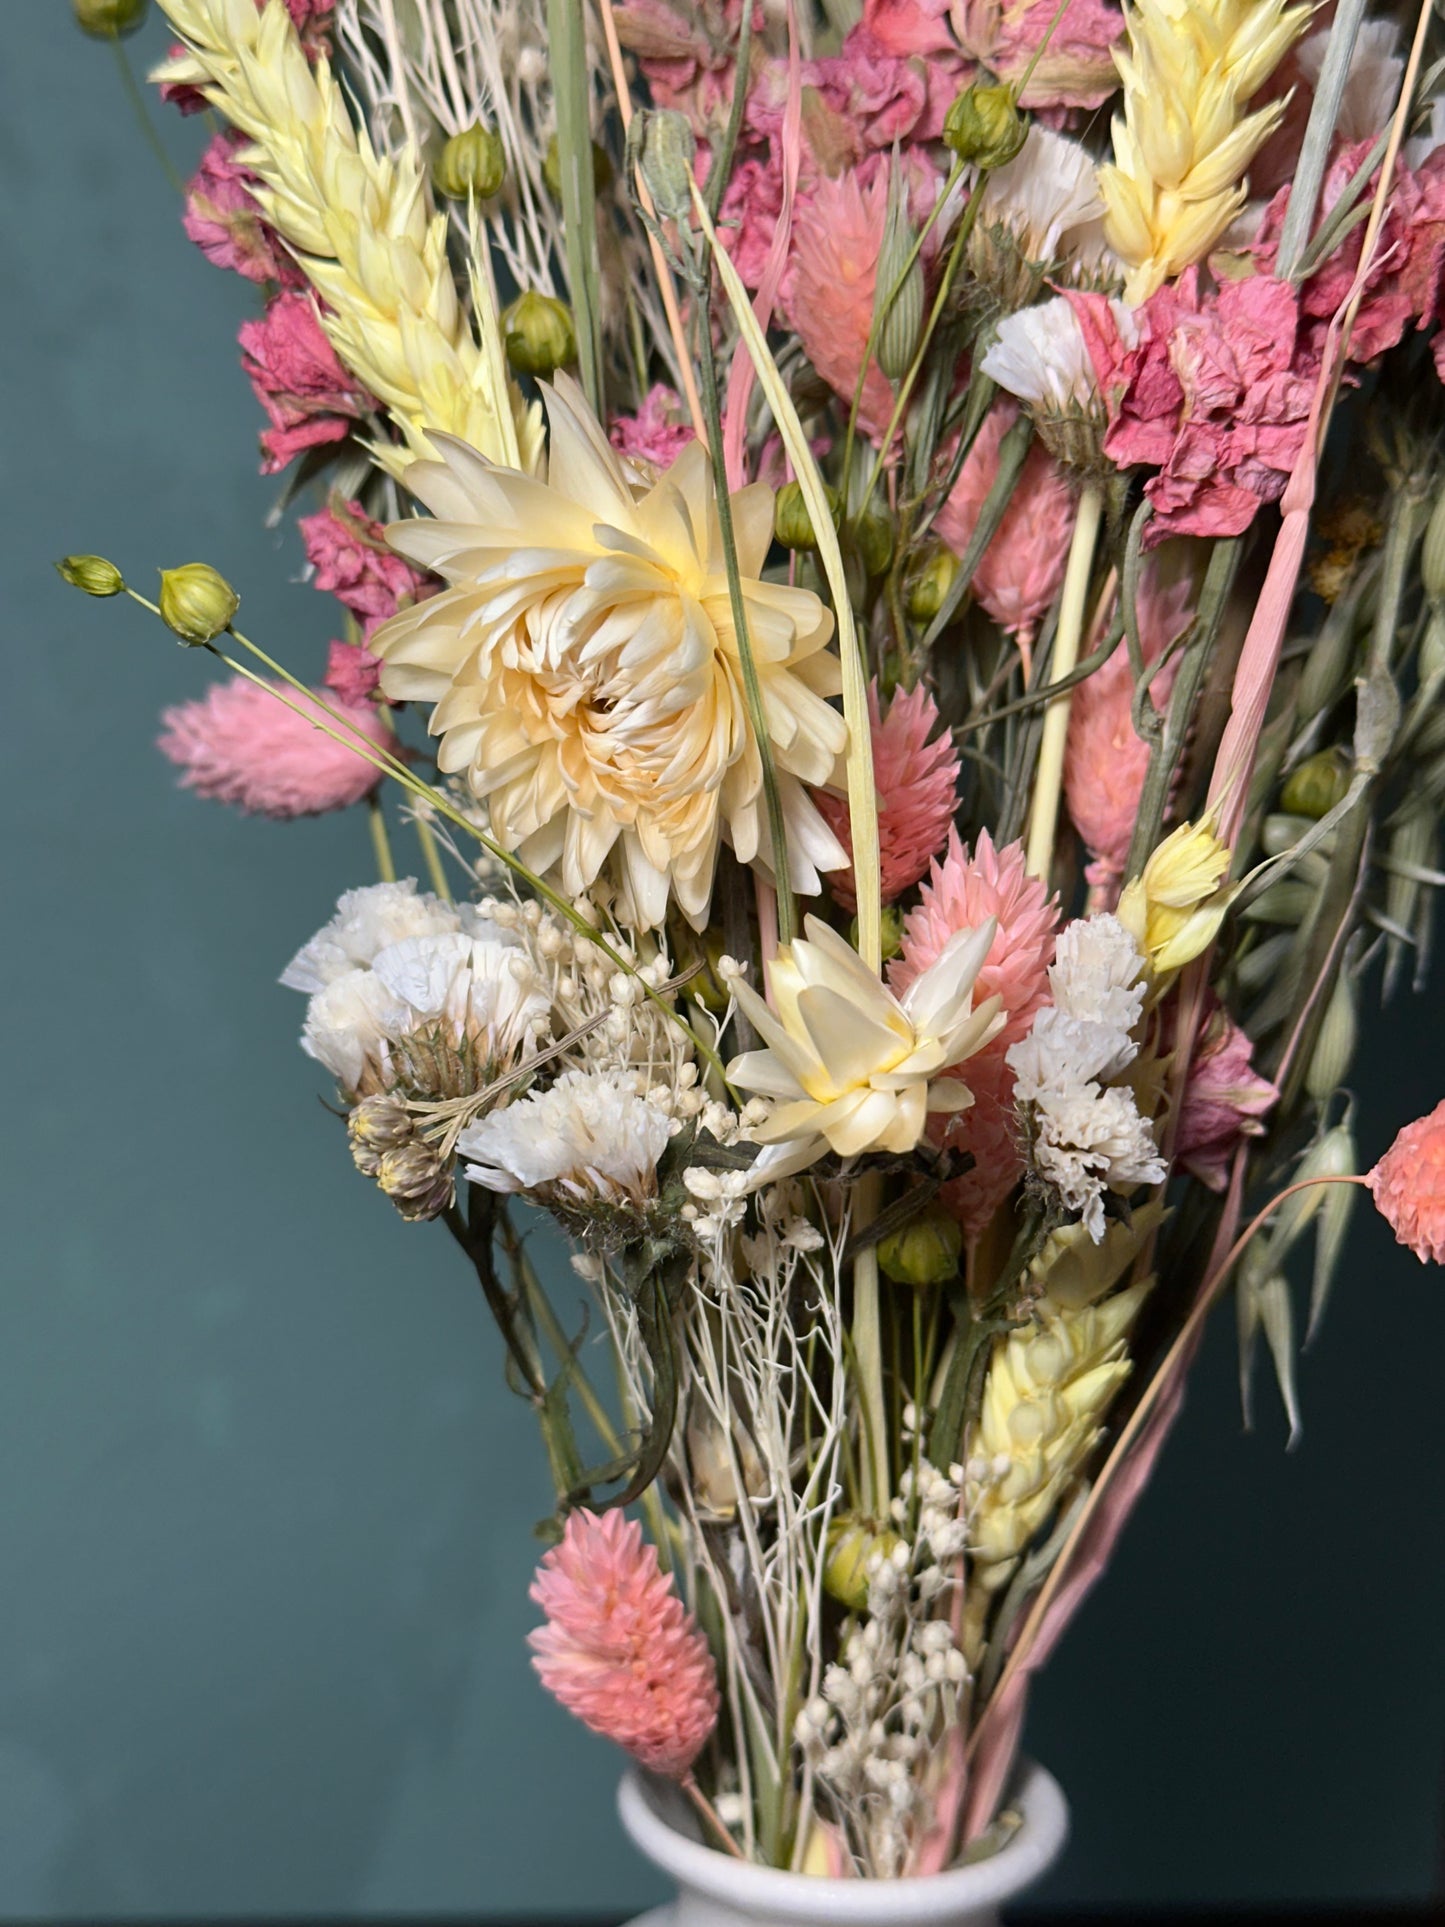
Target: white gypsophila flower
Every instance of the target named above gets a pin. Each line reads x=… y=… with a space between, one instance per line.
x=1372 y=85
x=1040 y=356
x=589 y=1137
x=367 y=920
x=1044 y=194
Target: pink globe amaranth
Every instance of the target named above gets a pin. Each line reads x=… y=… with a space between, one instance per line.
x=917 y=784
x=620 y=1650
x=1408 y=1186
x=1023 y=566
x=241 y=744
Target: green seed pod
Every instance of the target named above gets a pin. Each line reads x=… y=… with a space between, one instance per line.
x=924 y=1251
x=1432 y=552
x=471 y=164
x=902 y=320
x=92 y=573
x=872 y=536
x=928 y=588
x=1327 y=667
x=891 y=923
x=855 y=1544
x=663 y=149
x=552 y=169
x=108 y=19
x=539 y=334
x=792 y=524
x=985 y=126
x=1317 y=785
x=1334 y=1049
x=197 y=602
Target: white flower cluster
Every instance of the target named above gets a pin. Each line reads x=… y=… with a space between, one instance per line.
x=407 y=989
x=1085 y=1133
x=589 y=1136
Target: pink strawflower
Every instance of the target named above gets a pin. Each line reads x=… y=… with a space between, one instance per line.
x=1408 y=1186
x=1105 y=761
x=349 y=553
x=657 y=433
x=828 y=293
x=307 y=394
x=961 y=893
x=620 y=1650
x=222 y=218
x=1224 y=1100
x=917 y=783
x=1216 y=396
x=352 y=672
x=1023 y=567
x=239 y=745
x=1075 y=69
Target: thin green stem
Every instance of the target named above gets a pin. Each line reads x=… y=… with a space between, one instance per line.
x=868 y=1357
x=380 y=841
x=432 y=857
x=147 y=126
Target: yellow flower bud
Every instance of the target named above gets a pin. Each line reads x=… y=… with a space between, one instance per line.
x=552 y=169
x=539 y=334
x=1317 y=785
x=471 y=163
x=926 y=590
x=924 y=1251
x=856 y=1547
x=1175 y=908
x=108 y=19
x=985 y=126
x=197 y=602
x=92 y=573
x=792 y=524
x=891 y=932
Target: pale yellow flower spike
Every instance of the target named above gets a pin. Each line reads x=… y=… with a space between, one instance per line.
x=1184 y=141
x=360 y=226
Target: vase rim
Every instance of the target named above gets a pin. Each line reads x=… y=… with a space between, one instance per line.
x=983 y=1884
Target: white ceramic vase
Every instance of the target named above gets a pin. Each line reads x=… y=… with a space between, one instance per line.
x=716 y=1891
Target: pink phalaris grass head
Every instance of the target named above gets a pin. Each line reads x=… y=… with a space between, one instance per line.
x=239 y=745
x=917 y=783
x=1073 y=68
x=1105 y=761
x=657 y=433
x=308 y=396
x=1023 y=566
x=1408 y=1186
x=349 y=554
x=620 y=1650
x=222 y=218
x=828 y=293
x=1224 y=1100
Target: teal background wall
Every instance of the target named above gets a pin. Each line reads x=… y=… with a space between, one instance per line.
x=264 y=1501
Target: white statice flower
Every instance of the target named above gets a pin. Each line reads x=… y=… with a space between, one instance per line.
x=1044 y=195
x=1040 y=356
x=1085 y=1134
x=850 y=1067
x=409 y=991
x=586 y=672
x=589 y=1138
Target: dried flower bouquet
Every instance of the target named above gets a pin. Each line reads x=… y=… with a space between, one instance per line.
x=905 y=619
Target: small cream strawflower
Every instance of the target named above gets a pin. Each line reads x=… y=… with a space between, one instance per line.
x=850 y=1067
x=586 y=670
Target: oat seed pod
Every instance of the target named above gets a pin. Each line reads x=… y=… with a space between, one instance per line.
x=902 y=318
x=1432 y=552
x=1334 y=1050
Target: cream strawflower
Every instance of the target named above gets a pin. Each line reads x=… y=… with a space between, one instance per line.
x=850 y=1067
x=586 y=672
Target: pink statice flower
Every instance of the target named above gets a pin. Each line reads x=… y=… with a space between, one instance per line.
x=222 y=218
x=308 y=396
x=748 y=216
x=1215 y=395
x=1023 y=567
x=963 y=891
x=620 y=1650
x=1105 y=762
x=352 y=672
x=911 y=29
x=1076 y=68
x=238 y=744
x=881 y=95
x=1225 y=1099
x=1408 y=1186
x=917 y=782
x=352 y=561
x=687 y=56
x=829 y=289
x=657 y=433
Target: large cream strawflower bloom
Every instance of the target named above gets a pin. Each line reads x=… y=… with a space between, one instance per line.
x=586 y=673
x=850 y=1067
